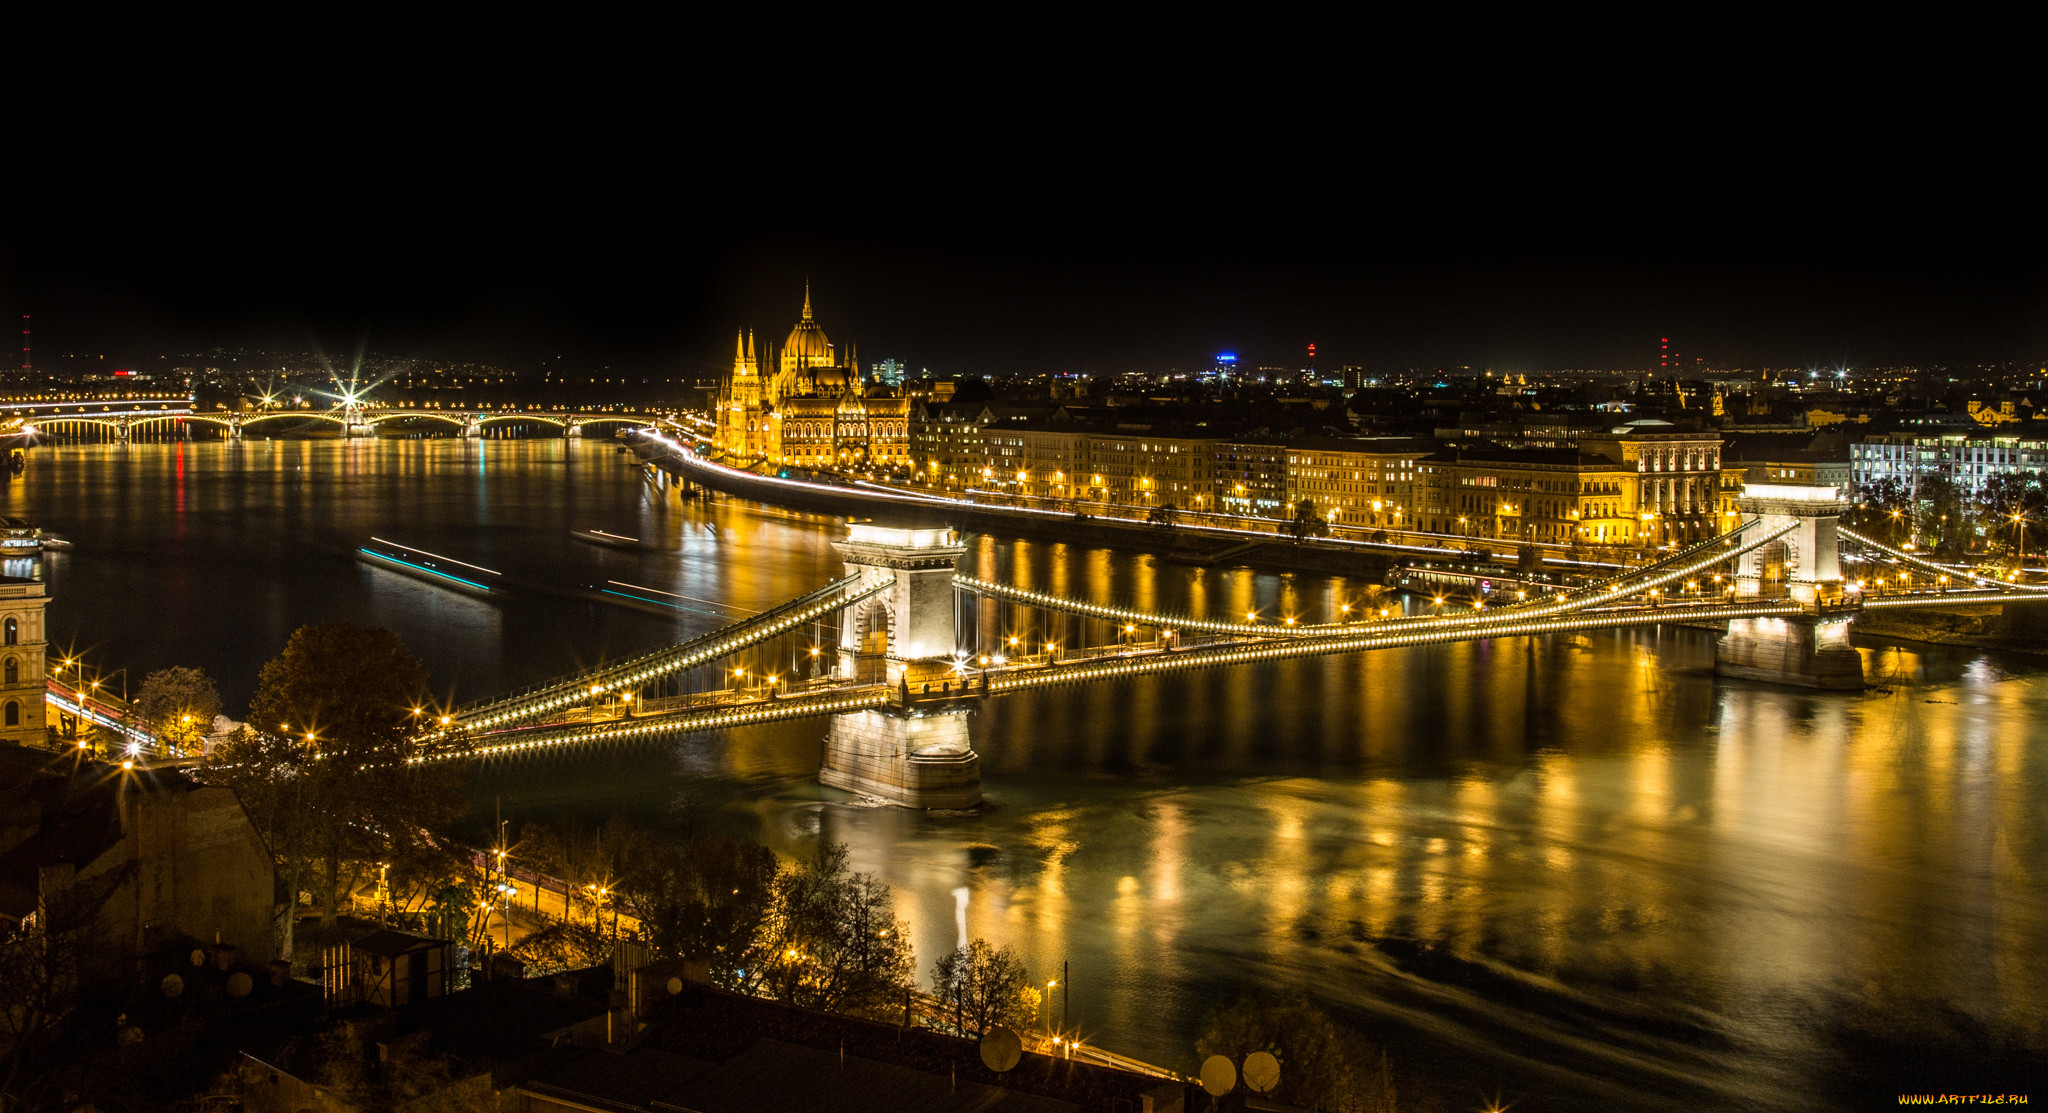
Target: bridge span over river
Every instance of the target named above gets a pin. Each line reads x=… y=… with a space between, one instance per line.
x=354 y=418
x=885 y=655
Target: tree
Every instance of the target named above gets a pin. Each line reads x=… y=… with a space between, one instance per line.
x=705 y=900
x=1162 y=515
x=325 y=770
x=1885 y=503
x=983 y=987
x=178 y=705
x=1322 y=1065
x=830 y=940
x=563 y=946
x=1945 y=515
x=1306 y=522
x=2005 y=497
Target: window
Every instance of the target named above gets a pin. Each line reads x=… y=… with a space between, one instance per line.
x=13 y=632
x=13 y=671
x=13 y=711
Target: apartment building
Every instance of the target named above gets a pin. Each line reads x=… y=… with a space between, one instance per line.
x=1967 y=460
x=1362 y=482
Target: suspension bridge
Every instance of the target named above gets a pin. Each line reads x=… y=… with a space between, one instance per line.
x=897 y=652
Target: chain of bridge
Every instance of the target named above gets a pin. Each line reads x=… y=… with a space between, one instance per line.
x=1930 y=566
x=1686 y=562
x=731 y=709
x=1589 y=608
x=561 y=694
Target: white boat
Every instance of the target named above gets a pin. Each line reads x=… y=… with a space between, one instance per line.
x=19 y=538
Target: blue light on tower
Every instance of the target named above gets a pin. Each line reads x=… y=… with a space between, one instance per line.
x=1226 y=364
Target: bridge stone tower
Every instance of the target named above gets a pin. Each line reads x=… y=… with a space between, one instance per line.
x=918 y=756
x=909 y=622
x=1810 y=649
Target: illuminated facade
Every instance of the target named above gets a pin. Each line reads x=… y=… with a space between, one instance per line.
x=22 y=650
x=1358 y=484
x=1618 y=488
x=813 y=411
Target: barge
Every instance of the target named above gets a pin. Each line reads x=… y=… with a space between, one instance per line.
x=472 y=579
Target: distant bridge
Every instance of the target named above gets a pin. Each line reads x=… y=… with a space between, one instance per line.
x=354 y=419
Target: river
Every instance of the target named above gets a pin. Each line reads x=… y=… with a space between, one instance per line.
x=1570 y=872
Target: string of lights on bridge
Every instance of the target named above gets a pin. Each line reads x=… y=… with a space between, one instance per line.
x=732 y=639
x=1931 y=566
x=766 y=711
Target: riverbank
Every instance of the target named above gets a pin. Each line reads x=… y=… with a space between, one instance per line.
x=1177 y=544
x=2018 y=630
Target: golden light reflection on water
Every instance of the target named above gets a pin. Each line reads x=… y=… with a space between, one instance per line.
x=1593 y=813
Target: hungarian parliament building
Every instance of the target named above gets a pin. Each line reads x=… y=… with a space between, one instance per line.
x=814 y=411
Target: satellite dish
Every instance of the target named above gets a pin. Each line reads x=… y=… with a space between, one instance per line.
x=675 y=986
x=1261 y=1071
x=172 y=985
x=1219 y=1075
x=198 y=957
x=1001 y=1049
x=239 y=984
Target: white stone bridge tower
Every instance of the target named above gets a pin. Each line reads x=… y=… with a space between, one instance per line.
x=917 y=753
x=1810 y=649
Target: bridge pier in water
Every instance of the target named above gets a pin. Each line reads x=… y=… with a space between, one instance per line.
x=1808 y=650
x=917 y=754
x=915 y=759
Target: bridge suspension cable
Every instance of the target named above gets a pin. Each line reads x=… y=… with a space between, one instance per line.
x=558 y=694
x=1931 y=566
x=721 y=711
x=1676 y=566
x=1122 y=614
x=1502 y=626
x=514 y=742
x=1600 y=589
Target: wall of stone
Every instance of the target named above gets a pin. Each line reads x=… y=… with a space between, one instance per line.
x=1785 y=651
x=921 y=761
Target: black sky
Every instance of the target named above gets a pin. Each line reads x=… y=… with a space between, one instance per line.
x=1057 y=254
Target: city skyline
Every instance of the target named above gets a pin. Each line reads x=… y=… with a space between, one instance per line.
x=1543 y=279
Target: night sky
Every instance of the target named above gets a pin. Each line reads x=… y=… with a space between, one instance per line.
x=1019 y=262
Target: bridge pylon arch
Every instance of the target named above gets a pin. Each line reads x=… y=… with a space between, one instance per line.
x=918 y=755
x=1810 y=649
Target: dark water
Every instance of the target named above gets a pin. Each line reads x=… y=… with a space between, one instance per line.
x=1576 y=872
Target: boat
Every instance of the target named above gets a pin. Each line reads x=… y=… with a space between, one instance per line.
x=19 y=538
x=53 y=542
x=472 y=579
x=606 y=538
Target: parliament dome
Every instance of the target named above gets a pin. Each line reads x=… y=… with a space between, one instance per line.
x=807 y=345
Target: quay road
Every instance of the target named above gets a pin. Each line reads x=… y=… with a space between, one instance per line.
x=1235 y=525
x=111 y=712
x=835 y=493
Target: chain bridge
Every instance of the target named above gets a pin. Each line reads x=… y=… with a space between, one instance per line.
x=894 y=656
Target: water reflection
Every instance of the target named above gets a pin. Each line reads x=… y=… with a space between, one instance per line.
x=1579 y=864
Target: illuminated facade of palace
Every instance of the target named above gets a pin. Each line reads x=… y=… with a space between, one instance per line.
x=814 y=411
